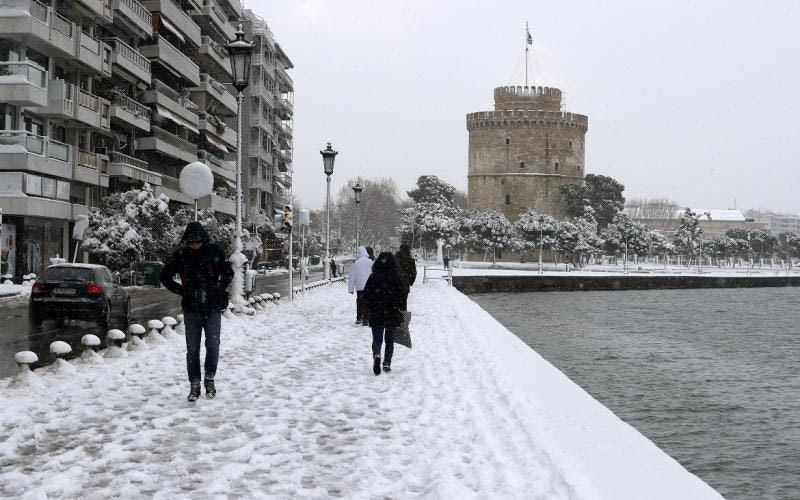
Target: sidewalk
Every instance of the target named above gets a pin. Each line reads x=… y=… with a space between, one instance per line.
x=299 y=414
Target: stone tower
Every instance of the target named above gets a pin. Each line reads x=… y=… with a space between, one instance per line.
x=520 y=153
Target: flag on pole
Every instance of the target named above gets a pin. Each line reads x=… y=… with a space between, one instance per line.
x=530 y=38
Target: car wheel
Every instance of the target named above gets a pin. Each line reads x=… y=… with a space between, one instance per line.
x=105 y=317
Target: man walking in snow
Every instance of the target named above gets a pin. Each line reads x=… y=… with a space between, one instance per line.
x=356 y=280
x=205 y=275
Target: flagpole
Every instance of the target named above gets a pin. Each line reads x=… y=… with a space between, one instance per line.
x=526 y=53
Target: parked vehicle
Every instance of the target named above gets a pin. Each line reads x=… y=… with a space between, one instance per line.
x=263 y=267
x=78 y=291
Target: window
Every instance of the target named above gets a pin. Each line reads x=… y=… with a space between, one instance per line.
x=570 y=144
x=522 y=164
x=508 y=199
x=556 y=167
x=8 y=117
x=508 y=141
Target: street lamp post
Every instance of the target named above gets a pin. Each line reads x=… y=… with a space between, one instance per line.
x=328 y=159
x=541 y=241
x=357 y=196
x=240 y=51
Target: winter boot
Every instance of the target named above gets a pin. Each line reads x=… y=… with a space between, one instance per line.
x=387 y=367
x=211 y=391
x=194 y=392
x=376 y=365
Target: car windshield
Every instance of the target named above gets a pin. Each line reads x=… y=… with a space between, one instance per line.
x=68 y=274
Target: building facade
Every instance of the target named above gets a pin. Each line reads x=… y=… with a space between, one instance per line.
x=98 y=96
x=523 y=151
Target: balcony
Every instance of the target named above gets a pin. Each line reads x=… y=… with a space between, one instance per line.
x=234 y=8
x=134 y=16
x=213 y=18
x=91 y=168
x=211 y=92
x=168 y=144
x=132 y=169
x=218 y=204
x=127 y=111
x=284 y=108
x=36 y=196
x=259 y=89
x=93 y=110
x=173 y=60
x=285 y=82
x=178 y=108
x=172 y=189
x=215 y=58
x=128 y=62
x=213 y=127
x=98 y=8
x=182 y=22
x=20 y=150
x=60 y=100
x=259 y=120
x=218 y=166
x=39 y=26
x=93 y=53
x=23 y=83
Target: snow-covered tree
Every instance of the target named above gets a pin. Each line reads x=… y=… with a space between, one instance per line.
x=431 y=189
x=431 y=222
x=687 y=237
x=534 y=228
x=486 y=230
x=624 y=234
x=659 y=244
x=577 y=236
x=112 y=241
x=601 y=193
x=722 y=247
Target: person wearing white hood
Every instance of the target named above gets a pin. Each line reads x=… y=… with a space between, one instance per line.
x=362 y=267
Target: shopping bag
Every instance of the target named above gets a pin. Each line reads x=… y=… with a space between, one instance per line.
x=402 y=334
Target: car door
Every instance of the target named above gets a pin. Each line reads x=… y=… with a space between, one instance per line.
x=117 y=302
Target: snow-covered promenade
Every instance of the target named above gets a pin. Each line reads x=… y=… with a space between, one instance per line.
x=469 y=412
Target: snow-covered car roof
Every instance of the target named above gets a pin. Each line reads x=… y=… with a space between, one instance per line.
x=85 y=266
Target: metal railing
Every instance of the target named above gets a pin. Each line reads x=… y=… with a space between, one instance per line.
x=129 y=53
x=89 y=101
x=90 y=43
x=62 y=24
x=171 y=93
x=32 y=72
x=39 y=11
x=221 y=51
x=447 y=277
x=139 y=9
x=171 y=138
x=117 y=157
x=131 y=105
x=87 y=159
x=35 y=144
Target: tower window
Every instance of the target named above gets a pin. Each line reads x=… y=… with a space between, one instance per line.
x=556 y=167
x=508 y=199
x=508 y=141
x=522 y=164
x=570 y=144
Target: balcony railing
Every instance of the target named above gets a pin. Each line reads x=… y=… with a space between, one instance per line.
x=36 y=144
x=173 y=94
x=171 y=138
x=131 y=106
x=117 y=157
x=90 y=43
x=89 y=101
x=219 y=49
x=62 y=24
x=30 y=71
x=39 y=11
x=138 y=9
x=129 y=53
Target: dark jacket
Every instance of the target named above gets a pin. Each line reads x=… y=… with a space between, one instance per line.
x=408 y=266
x=385 y=292
x=205 y=273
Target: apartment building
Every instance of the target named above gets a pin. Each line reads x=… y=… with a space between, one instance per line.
x=269 y=109
x=97 y=96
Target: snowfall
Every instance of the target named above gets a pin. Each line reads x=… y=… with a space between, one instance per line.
x=469 y=412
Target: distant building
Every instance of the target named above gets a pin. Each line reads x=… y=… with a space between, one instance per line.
x=521 y=153
x=777 y=223
x=716 y=223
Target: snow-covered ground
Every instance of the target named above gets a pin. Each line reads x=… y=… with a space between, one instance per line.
x=469 y=412
x=15 y=291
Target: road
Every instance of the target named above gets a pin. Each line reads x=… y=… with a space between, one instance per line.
x=146 y=303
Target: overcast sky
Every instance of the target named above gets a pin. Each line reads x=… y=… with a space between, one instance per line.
x=694 y=101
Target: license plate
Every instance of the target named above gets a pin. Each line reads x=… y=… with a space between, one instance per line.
x=64 y=291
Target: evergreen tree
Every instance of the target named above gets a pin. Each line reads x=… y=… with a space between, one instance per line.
x=687 y=237
x=431 y=189
x=601 y=193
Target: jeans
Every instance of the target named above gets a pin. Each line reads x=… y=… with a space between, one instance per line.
x=362 y=313
x=196 y=322
x=377 y=340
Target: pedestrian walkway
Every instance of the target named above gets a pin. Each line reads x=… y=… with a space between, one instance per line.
x=299 y=414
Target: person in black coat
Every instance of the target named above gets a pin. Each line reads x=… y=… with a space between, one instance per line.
x=384 y=294
x=408 y=268
x=205 y=274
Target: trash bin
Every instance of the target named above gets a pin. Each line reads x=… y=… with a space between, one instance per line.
x=151 y=270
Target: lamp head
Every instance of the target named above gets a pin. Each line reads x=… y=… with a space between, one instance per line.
x=240 y=51
x=357 y=192
x=328 y=159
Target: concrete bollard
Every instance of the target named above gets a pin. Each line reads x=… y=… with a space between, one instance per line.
x=61 y=348
x=25 y=376
x=137 y=343
x=276 y=297
x=168 y=332
x=181 y=328
x=91 y=343
x=114 y=340
x=154 y=337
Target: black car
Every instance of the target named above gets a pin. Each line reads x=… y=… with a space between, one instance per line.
x=78 y=291
x=263 y=267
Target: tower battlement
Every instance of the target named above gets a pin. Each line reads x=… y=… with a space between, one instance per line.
x=533 y=98
x=525 y=119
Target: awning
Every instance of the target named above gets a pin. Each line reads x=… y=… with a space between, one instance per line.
x=172 y=28
x=175 y=118
x=216 y=142
x=280 y=185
